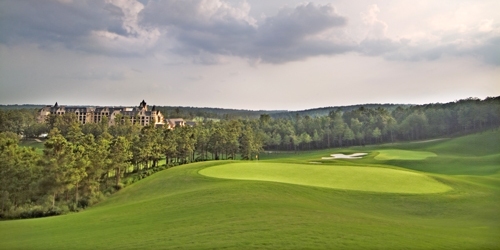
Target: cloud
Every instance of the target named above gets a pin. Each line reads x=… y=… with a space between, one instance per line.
x=198 y=27
x=301 y=32
x=95 y=26
x=210 y=31
x=295 y=24
x=480 y=40
x=48 y=21
x=376 y=27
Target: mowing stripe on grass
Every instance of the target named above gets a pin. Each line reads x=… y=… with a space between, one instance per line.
x=373 y=179
x=398 y=154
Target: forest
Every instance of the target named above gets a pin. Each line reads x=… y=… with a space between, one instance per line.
x=79 y=165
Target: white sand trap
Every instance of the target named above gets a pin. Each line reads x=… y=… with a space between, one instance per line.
x=343 y=156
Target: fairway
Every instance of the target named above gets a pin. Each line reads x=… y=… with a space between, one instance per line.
x=421 y=200
x=372 y=179
x=398 y=154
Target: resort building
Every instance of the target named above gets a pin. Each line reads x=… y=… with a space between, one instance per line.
x=137 y=115
x=175 y=122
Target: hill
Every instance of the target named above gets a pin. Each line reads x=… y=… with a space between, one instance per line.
x=180 y=208
x=21 y=106
x=219 y=113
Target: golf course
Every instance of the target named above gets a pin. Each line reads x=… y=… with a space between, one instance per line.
x=436 y=194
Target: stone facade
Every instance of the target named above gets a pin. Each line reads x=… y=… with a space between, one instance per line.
x=140 y=114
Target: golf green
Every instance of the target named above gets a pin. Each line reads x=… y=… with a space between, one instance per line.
x=398 y=154
x=372 y=179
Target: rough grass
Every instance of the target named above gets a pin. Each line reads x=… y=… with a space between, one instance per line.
x=181 y=209
x=372 y=179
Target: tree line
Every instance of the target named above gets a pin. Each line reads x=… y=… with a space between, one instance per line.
x=81 y=164
x=363 y=126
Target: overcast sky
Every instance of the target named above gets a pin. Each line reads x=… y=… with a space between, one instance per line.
x=254 y=54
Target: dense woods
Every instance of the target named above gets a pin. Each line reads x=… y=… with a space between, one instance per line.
x=78 y=164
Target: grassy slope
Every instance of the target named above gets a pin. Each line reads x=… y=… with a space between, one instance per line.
x=398 y=154
x=179 y=208
x=366 y=178
x=477 y=154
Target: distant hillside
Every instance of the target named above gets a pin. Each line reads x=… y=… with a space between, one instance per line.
x=21 y=106
x=221 y=113
x=326 y=110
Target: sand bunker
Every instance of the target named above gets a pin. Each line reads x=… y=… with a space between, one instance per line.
x=343 y=156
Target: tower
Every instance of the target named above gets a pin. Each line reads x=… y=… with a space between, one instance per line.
x=143 y=105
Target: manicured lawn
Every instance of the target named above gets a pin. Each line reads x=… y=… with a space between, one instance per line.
x=398 y=154
x=37 y=145
x=373 y=179
x=180 y=208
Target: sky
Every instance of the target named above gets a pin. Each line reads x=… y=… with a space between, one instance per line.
x=253 y=54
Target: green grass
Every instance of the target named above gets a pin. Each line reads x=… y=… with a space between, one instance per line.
x=182 y=209
x=398 y=154
x=38 y=146
x=372 y=179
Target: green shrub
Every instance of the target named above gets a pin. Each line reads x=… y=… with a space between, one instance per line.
x=119 y=186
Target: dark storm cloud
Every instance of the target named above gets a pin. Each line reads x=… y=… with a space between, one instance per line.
x=207 y=29
x=45 y=22
x=292 y=25
x=224 y=30
x=290 y=35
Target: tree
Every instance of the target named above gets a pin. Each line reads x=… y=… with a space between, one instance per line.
x=98 y=152
x=19 y=172
x=146 y=146
x=119 y=156
x=36 y=129
x=338 y=125
x=414 y=125
x=316 y=138
x=202 y=137
x=306 y=139
x=232 y=131
x=376 y=134
x=265 y=118
x=75 y=134
x=391 y=128
x=169 y=144
x=275 y=139
x=349 y=134
x=217 y=140
x=78 y=171
x=185 y=143
x=326 y=125
x=62 y=122
x=58 y=160
x=356 y=125
x=250 y=145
